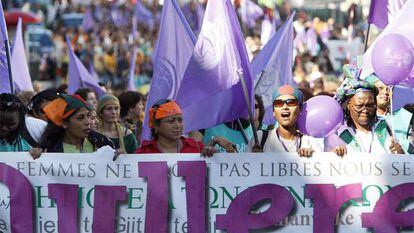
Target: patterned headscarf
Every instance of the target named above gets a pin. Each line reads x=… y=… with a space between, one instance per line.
x=288 y=90
x=64 y=106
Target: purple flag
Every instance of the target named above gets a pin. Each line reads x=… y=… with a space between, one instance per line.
x=131 y=81
x=172 y=52
x=88 y=20
x=93 y=73
x=4 y=71
x=381 y=12
x=143 y=14
x=79 y=77
x=272 y=67
x=228 y=104
x=250 y=13
x=194 y=13
x=134 y=30
x=21 y=75
x=402 y=24
x=216 y=58
x=401 y=96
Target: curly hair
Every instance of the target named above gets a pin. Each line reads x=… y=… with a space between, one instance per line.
x=11 y=103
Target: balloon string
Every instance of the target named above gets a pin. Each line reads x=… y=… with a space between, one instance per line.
x=392 y=111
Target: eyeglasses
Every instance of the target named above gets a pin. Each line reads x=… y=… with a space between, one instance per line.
x=360 y=107
x=289 y=102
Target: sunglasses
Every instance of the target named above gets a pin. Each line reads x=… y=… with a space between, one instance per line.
x=289 y=102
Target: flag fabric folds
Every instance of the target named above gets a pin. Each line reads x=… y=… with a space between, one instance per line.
x=143 y=14
x=20 y=69
x=4 y=70
x=227 y=103
x=172 y=53
x=250 y=13
x=382 y=12
x=272 y=67
x=216 y=58
x=79 y=77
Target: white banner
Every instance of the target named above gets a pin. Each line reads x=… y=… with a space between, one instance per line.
x=228 y=176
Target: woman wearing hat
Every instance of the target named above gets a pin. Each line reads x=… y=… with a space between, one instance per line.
x=68 y=128
x=364 y=131
x=287 y=104
x=108 y=111
x=166 y=123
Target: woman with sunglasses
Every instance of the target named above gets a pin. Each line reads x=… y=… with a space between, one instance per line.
x=364 y=132
x=166 y=123
x=287 y=104
x=108 y=111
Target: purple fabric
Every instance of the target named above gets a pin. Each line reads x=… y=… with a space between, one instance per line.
x=216 y=58
x=194 y=13
x=156 y=208
x=172 y=52
x=143 y=14
x=272 y=67
x=195 y=174
x=134 y=30
x=4 y=71
x=21 y=75
x=239 y=218
x=250 y=13
x=79 y=77
x=384 y=218
x=328 y=200
x=104 y=211
x=229 y=104
x=66 y=196
x=92 y=72
x=401 y=96
x=131 y=80
x=378 y=13
x=88 y=20
x=21 y=199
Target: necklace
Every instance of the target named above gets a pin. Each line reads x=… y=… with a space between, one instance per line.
x=298 y=145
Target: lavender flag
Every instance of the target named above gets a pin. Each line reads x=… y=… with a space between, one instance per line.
x=143 y=14
x=228 y=104
x=216 y=58
x=88 y=22
x=131 y=81
x=402 y=96
x=250 y=13
x=381 y=12
x=401 y=25
x=91 y=71
x=194 y=13
x=4 y=70
x=272 y=67
x=172 y=53
x=21 y=75
x=79 y=77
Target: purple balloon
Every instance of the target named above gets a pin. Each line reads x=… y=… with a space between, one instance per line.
x=321 y=116
x=393 y=58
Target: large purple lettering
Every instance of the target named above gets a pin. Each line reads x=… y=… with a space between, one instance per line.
x=21 y=199
x=105 y=206
x=384 y=218
x=156 y=209
x=66 y=196
x=238 y=218
x=195 y=183
x=327 y=202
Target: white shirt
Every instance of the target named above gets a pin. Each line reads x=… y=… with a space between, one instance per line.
x=36 y=127
x=273 y=144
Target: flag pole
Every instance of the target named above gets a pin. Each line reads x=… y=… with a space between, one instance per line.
x=366 y=38
x=7 y=47
x=240 y=126
x=249 y=107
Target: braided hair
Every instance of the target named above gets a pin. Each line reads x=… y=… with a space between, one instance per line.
x=11 y=103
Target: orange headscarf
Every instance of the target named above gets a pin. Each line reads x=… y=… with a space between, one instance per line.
x=167 y=109
x=61 y=108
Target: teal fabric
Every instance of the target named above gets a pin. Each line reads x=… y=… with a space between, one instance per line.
x=401 y=124
x=380 y=131
x=233 y=136
x=22 y=145
x=130 y=142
